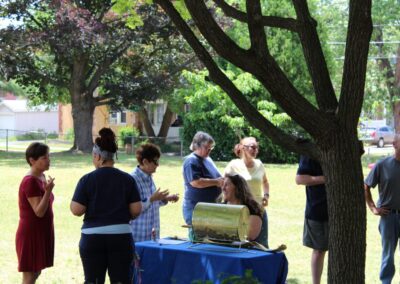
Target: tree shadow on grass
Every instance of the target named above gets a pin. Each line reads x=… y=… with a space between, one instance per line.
x=75 y=160
x=292 y=281
x=66 y=159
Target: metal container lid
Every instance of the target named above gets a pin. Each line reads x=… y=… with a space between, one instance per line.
x=220 y=222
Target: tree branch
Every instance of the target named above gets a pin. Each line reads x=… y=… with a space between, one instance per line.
x=270 y=21
x=217 y=76
x=355 y=63
x=104 y=66
x=267 y=72
x=256 y=29
x=40 y=25
x=217 y=37
x=315 y=58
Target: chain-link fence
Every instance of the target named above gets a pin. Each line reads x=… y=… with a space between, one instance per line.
x=17 y=141
x=170 y=146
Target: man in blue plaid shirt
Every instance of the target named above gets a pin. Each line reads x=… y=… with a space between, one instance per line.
x=147 y=225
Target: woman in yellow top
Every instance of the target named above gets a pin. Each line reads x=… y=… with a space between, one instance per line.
x=252 y=170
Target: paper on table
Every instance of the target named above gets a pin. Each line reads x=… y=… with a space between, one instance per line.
x=171 y=242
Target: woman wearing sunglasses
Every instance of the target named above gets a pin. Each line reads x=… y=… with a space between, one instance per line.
x=252 y=170
x=147 y=225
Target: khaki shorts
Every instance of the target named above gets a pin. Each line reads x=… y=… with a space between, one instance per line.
x=315 y=234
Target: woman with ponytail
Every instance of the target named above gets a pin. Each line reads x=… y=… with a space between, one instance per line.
x=108 y=198
x=252 y=170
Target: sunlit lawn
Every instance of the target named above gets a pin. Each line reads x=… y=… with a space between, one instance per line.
x=286 y=211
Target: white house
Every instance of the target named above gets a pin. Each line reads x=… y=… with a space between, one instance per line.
x=16 y=115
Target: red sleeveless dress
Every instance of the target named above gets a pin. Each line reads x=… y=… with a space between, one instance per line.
x=35 y=236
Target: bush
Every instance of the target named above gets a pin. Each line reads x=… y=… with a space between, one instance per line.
x=69 y=135
x=126 y=133
x=52 y=135
x=247 y=278
x=170 y=147
x=34 y=135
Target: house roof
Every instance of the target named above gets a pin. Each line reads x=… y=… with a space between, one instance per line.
x=22 y=106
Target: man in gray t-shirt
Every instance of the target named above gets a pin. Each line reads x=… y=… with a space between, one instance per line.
x=386 y=174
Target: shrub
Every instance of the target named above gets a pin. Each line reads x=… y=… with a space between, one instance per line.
x=69 y=135
x=32 y=135
x=52 y=135
x=225 y=278
x=126 y=133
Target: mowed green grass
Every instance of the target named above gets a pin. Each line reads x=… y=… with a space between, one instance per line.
x=285 y=213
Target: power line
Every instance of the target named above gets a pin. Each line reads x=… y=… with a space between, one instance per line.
x=371 y=42
x=371 y=57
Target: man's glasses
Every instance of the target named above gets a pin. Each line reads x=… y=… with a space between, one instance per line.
x=156 y=162
x=254 y=147
x=209 y=149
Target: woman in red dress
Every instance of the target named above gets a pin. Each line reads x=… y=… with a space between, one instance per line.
x=35 y=235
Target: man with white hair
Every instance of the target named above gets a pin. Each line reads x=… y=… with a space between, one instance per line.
x=386 y=174
x=202 y=180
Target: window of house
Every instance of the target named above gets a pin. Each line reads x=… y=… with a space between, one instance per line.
x=113 y=118
x=117 y=117
x=150 y=113
x=155 y=113
x=160 y=113
x=123 y=116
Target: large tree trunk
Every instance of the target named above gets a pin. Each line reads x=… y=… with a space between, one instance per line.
x=83 y=105
x=144 y=117
x=166 y=123
x=82 y=113
x=341 y=165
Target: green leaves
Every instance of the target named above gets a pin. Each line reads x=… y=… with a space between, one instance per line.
x=126 y=9
x=181 y=8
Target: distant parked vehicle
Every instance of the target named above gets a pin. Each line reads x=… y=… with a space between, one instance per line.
x=377 y=135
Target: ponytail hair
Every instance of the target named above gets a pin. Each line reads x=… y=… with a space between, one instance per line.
x=238 y=150
x=105 y=145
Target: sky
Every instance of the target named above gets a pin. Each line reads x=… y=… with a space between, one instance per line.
x=4 y=22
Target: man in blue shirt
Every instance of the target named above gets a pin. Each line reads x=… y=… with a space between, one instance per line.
x=386 y=174
x=202 y=180
x=316 y=227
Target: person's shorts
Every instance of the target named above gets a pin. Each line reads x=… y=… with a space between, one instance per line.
x=316 y=234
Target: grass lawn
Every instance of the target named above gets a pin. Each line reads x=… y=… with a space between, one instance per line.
x=286 y=213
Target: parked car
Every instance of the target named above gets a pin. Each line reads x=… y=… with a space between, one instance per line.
x=377 y=135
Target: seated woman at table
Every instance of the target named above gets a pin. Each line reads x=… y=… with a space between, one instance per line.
x=236 y=191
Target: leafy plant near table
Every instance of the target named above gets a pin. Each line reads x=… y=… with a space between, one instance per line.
x=248 y=278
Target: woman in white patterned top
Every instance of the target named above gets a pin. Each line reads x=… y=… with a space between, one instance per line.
x=252 y=170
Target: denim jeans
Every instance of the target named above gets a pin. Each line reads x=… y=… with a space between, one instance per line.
x=187 y=210
x=263 y=236
x=389 y=228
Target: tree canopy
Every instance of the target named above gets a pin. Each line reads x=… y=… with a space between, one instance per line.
x=75 y=51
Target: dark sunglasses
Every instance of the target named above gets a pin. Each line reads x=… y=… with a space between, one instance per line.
x=156 y=162
x=254 y=147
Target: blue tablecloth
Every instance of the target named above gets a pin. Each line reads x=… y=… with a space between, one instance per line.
x=187 y=262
